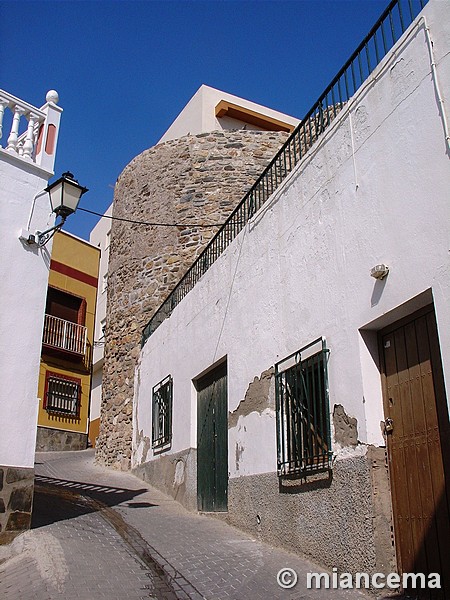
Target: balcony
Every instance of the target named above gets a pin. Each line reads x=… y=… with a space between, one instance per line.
x=64 y=335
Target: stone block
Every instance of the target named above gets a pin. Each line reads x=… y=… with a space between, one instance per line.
x=14 y=474
x=18 y=521
x=21 y=499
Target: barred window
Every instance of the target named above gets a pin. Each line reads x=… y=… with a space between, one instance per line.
x=302 y=411
x=162 y=414
x=62 y=395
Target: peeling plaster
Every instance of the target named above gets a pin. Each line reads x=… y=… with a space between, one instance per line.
x=257 y=398
x=382 y=510
x=178 y=478
x=146 y=448
x=239 y=452
x=345 y=428
x=143 y=445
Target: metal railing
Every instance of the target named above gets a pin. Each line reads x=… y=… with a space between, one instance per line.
x=398 y=15
x=162 y=414
x=303 y=412
x=63 y=396
x=64 y=335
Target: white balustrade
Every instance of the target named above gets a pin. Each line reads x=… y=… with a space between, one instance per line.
x=65 y=335
x=3 y=105
x=25 y=144
x=30 y=138
x=14 y=135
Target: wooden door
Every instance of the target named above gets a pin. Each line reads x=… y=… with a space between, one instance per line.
x=212 y=441
x=417 y=434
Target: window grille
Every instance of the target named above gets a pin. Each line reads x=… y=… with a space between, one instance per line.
x=63 y=395
x=162 y=413
x=302 y=411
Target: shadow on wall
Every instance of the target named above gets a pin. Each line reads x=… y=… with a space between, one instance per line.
x=296 y=485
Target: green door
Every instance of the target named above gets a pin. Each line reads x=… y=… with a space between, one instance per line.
x=212 y=441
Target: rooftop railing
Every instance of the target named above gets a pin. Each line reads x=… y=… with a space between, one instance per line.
x=394 y=21
x=21 y=144
x=33 y=132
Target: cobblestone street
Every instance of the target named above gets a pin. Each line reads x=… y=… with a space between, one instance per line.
x=100 y=534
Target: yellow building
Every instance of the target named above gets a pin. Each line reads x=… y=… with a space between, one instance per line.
x=67 y=343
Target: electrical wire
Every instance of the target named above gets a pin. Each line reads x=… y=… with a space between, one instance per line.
x=92 y=212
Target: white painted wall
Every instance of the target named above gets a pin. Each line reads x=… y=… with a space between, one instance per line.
x=24 y=208
x=198 y=116
x=100 y=238
x=375 y=189
x=24 y=276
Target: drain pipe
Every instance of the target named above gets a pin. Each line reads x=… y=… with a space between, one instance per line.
x=436 y=83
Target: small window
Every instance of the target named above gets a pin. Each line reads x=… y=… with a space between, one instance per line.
x=162 y=414
x=302 y=410
x=62 y=395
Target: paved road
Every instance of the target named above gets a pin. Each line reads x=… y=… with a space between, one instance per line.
x=99 y=533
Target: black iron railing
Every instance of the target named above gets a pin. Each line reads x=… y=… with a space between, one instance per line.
x=384 y=34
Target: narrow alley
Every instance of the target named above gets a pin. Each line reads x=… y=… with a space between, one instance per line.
x=99 y=533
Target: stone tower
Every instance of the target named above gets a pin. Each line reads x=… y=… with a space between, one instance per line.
x=195 y=179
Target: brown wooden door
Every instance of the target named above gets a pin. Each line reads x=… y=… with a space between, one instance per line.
x=418 y=446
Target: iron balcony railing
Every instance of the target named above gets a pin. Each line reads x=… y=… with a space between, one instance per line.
x=64 y=335
x=398 y=15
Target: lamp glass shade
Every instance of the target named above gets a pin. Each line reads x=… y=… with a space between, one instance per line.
x=65 y=195
x=55 y=193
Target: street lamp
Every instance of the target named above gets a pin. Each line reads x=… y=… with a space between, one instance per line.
x=65 y=194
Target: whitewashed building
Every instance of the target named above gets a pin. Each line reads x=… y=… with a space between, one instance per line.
x=298 y=382
x=210 y=109
x=27 y=156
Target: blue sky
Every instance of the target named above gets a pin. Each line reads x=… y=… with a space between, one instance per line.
x=125 y=69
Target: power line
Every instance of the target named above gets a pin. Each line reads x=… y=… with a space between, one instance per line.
x=92 y=212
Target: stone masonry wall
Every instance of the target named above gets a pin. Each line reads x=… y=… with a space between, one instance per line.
x=16 y=499
x=194 y=179
x=56 y=440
